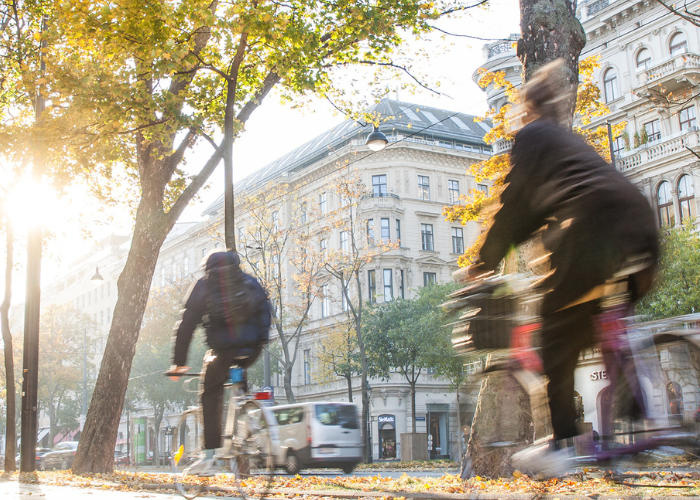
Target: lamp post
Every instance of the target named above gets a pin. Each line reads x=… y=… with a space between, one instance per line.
x=32 y=308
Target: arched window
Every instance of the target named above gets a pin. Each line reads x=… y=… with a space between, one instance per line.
x=665 y=203
x=678 y=43
x=610 y=85
x=674 y=394
x=686 y=197
x=643 y=59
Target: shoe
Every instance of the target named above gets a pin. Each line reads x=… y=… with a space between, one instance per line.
x=203 y=467
x=543 y=461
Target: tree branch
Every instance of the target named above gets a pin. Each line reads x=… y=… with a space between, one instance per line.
x=471 y=36
x=405 y=70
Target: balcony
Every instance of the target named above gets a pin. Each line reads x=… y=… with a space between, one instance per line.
x=678 y=72
x=663 y=148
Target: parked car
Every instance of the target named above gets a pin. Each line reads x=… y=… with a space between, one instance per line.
x=325 y=435
x=40 y=452
x=122 y=459
x=61 y=456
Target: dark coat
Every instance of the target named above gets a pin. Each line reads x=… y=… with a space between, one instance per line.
x=247 y=336
x=592 y=217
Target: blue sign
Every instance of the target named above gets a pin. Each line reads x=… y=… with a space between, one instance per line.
x=420 y=419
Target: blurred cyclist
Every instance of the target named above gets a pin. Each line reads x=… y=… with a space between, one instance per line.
x=592 y=221
x=235 y=312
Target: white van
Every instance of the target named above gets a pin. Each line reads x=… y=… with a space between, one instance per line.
x=318 y=435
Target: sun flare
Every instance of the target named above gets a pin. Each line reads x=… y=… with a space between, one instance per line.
x=29 y=203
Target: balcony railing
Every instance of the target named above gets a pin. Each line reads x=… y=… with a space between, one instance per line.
x=658 y=149
x=665 y=70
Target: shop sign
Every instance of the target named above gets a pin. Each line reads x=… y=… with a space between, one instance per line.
x=386 y=419
x=599 y=375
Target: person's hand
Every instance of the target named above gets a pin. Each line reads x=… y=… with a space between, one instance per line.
x=177 y=369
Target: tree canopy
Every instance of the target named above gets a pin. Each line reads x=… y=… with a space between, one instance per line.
x=677 y=288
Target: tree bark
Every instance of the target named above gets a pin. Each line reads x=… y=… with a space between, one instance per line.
x=11 y=402
x=348 y=378
x=550 y=30
x=502 y=415
x=133 y=286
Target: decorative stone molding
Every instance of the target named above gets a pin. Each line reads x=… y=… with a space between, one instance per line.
x=401 y=394
x=385 y=394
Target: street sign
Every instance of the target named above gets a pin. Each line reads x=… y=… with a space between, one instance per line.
x=420 y=419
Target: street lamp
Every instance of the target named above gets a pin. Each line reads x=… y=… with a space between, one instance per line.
x=97 y=276
x=376 y=141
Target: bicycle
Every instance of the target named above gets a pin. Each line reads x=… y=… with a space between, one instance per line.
x=250 y=440
x=500 y=318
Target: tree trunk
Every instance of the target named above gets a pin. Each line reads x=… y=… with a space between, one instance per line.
x=550 y=30
x=502 y=415
x=366 y=401
x=102 y=421
x=348 y=378
x=413 y=409
x=11 y=404
x=157 y=420
x=288 y=382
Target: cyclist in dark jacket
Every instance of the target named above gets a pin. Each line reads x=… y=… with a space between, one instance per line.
x=592 y=220
x=232 y=344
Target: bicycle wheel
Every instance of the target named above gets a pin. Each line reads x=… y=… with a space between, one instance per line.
x=187 y=443
x=251 y=461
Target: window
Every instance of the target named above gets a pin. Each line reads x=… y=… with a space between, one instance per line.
x=398 y=230
x=385 y=230
x=379 y=185
x=653 y=129
x=307 y=368
x=370 y=231
x=429 y=279
x=325 y=302
x=678 y=43
x=643 y=59
x=484 y=188
x=687 y=118
x=344 y=241
x=108 y=289
x=240 y=237
x=618 y=146
x=457 y=240
x=453 y=191
x=610 y=85
x=423 y=187
x=665 y=202
x=401 y=285
x=371 y=285
x=686 y=197
x=304 y=210
x=322 y=203
x=323 y=244
x=276 y=220
x=388 y=285
x=426 y=233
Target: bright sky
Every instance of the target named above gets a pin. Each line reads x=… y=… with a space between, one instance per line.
x=274 y=129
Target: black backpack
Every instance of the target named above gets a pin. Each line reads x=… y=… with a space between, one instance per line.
x=230 y=298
